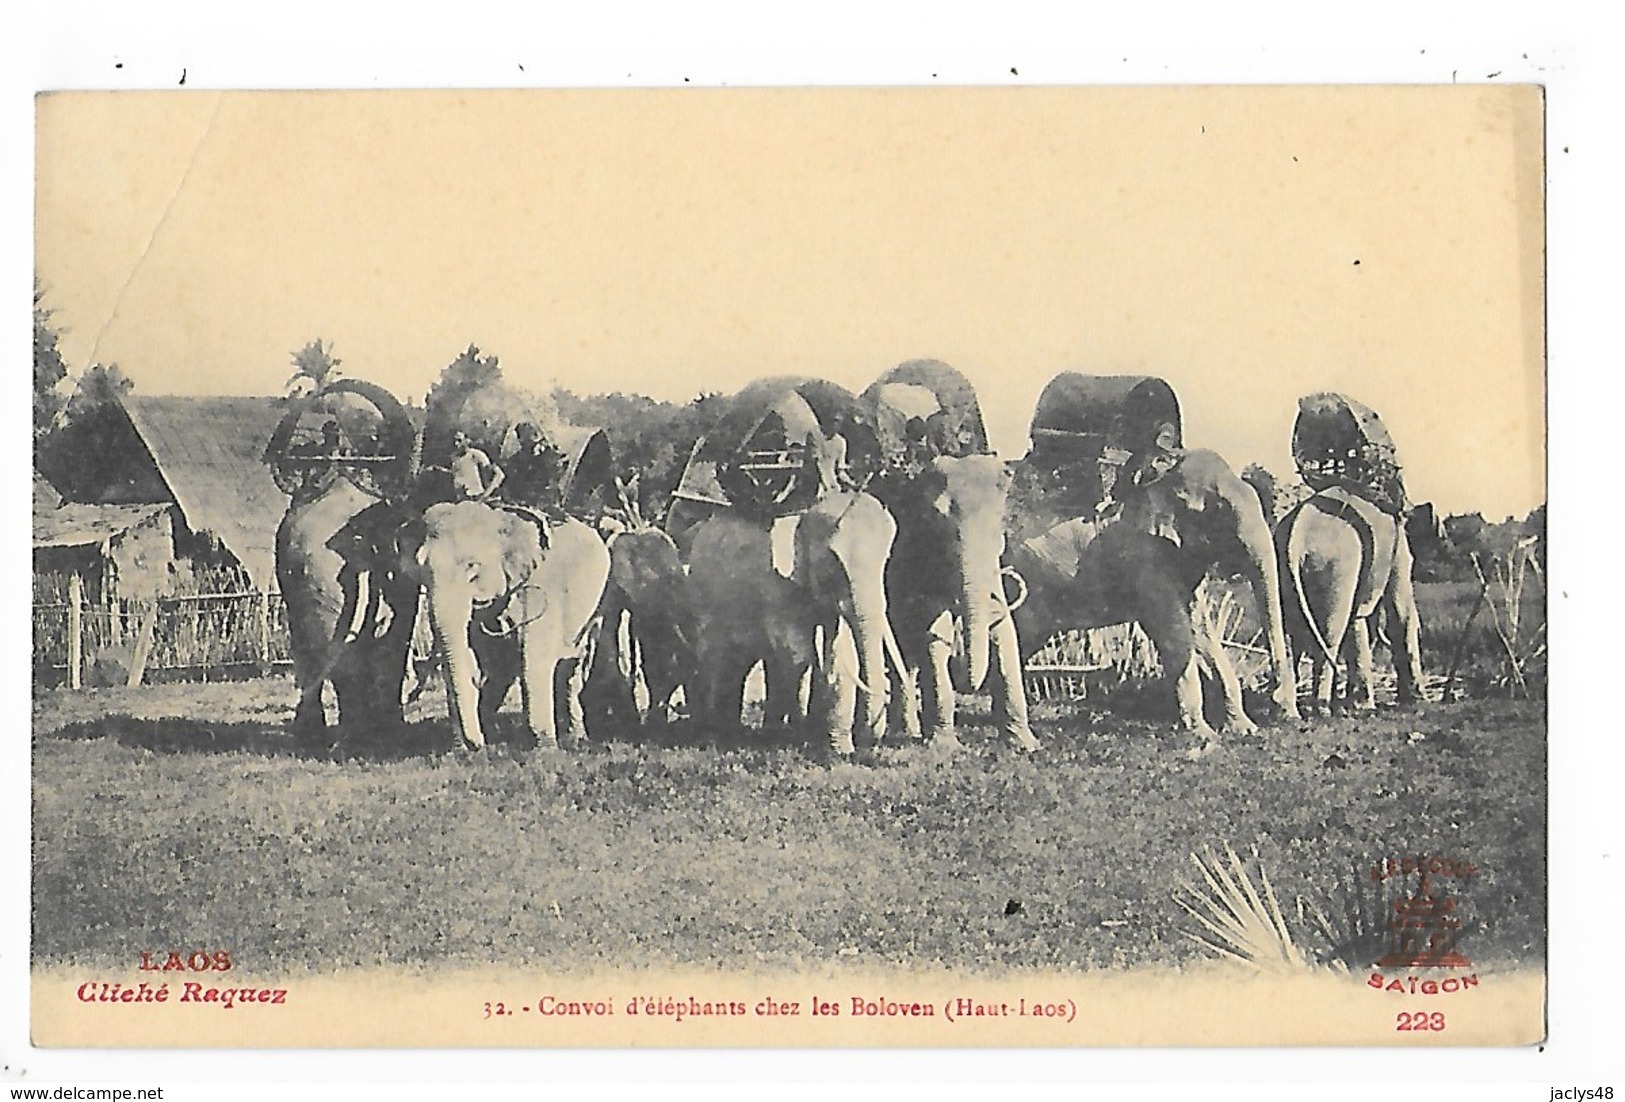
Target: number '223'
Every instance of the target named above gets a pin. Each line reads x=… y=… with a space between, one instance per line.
x=1407 y=1022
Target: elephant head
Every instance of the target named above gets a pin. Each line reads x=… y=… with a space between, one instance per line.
x=956 y=522
x=1217 y=519
x=503 y=605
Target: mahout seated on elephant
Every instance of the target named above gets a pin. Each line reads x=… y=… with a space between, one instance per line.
x=1339 y=442
x=948 y=493
x=535 y=470
x=1118 y=522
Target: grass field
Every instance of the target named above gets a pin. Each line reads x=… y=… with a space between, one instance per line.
x=182 y=817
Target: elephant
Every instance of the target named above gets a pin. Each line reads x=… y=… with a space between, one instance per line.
x=1145 y=565
x=945 y=570
x=506 y=602
x=351 y=607
x=648 y=588
x=825 y=610
x=1344 y=562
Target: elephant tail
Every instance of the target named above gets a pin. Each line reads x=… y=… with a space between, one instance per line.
x=1295 y=579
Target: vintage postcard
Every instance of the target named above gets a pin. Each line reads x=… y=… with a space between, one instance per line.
x=794 y=568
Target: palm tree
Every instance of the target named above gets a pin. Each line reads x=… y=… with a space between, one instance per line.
x=317 y=366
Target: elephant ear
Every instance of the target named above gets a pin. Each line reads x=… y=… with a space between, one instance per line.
x=521 y=549
x=855 y=536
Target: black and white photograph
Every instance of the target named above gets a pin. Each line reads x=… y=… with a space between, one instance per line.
x=569 y=574
x=789 y=567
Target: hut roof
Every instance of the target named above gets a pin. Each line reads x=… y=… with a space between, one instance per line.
x=209 y=451
x=88 y=525
x=45 y=494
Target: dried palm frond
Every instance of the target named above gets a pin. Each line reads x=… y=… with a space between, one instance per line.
x=1355 y=936
x=1246 y=923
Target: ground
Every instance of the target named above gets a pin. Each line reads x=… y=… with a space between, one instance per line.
x=183 y=816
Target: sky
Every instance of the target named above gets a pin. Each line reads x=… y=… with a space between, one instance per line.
x=1249 y=244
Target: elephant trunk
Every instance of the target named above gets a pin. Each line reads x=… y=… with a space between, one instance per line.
x=869 y=631
x=969 y=667
x=450 y=619
x=1266 y=579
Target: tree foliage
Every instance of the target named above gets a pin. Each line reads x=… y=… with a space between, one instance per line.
x=315 y=366
x=651 y=440
x=100 y=385
x=472 y=396
x=49 y=367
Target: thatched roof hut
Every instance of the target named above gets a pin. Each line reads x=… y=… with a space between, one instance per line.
x=202 y=454
x=124 y=551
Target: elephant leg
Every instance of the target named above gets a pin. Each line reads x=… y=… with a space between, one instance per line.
x=570 y=718
x=839 y=674
x=1324 y=671
x=496 y=666
x=1171 y=630
x=309 y=717
x=1236 y=720
x=1009 y=686
x=350 y=691
x=1362 y=692
x=659 y=652
x=728 y=694
x=781 y=675
x=1404 y=628
x=871 y=701
x=607 y=689
x=906 y=703
x=538 y=667
x=719 y=691
x=493 y=693
x=310 y=639
x=784 y=653
x=937 y=695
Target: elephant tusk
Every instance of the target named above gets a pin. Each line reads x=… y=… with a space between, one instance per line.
x=894 y=652
x=363 y=595
x=857 y=675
